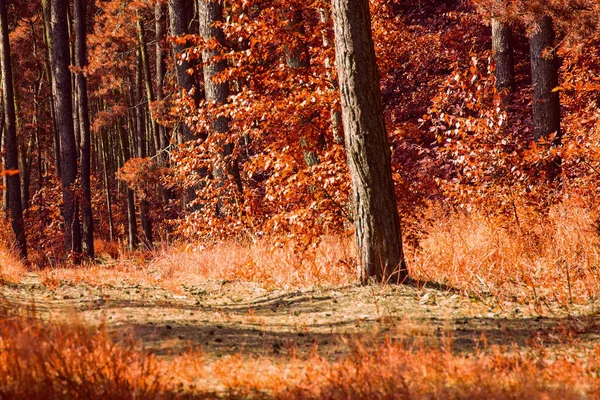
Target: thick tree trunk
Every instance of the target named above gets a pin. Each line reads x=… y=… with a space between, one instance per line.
x=502 y=49
x=211 y=12
x=62 y=90
x=181 y=13
x=377 y=223
x=12 y=160
x=84 y=127
x=544 y=76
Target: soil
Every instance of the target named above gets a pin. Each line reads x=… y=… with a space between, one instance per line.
x=225 y=318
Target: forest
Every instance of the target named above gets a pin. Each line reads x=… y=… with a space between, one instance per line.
x=287 y=199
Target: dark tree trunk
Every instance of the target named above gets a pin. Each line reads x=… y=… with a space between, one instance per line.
x=544 y=77
x=297 y=57
x=159 y=26
x=216 y=94
x=376 y=219
x=84 y=127
x=181 y=13
x=12 y=157
x=62 y=91
x=296 y=52
x=502 y=49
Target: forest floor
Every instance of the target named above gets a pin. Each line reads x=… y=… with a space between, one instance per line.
x=224 y=318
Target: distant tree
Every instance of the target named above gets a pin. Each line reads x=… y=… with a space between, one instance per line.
x=63 y=106
x=376 y=220
x=12 y=157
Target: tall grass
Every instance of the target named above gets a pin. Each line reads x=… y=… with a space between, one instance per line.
x=546 y=258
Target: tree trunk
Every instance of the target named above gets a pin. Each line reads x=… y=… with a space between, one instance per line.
x=141 y=38
x=336 y=118
x=131 y=222
x=84 y=127
x=12 y=158
x=106 y=167
x=62 y=90
x=46 y=14
x=141 y=150
x=181 y=13
x=160 y=66
x=502 y=49
x=544 y=77
x=216 y=94
x=377 y=223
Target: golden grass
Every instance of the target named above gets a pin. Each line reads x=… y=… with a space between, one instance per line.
x=275 y=266
x=549 y=258
x=552 y=258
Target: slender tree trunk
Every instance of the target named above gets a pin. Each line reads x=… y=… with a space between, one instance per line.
x=544 y=76
x=106 y=169
x=79 y=16
x=131 y=222
x=181 y=13
x=141 y=38
x=12 y=161
x=25 y=151
x=336 y=117
x=159 y=24
x=377 y=223
x=46 y=14
x=62 y=91
x=141 y=152
x=502 y=49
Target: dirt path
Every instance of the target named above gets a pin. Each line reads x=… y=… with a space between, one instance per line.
x=228 y=318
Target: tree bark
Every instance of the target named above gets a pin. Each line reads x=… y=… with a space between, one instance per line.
x=210 y=12
x=544 y=76
x=377 y=223
x=141 y=150
x=141 y=37
x=181 y=13
x=12 y=157
x=62 y=90
x=46 y=14
x=84 y=127
x=159 y=21
x=502 y=49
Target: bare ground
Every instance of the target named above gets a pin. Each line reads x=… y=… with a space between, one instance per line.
x=224 y=318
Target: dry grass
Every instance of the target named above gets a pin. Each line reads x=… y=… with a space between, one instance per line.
x=52 y=361
x=553 y=258
x=550 y=258
x=281 y=266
